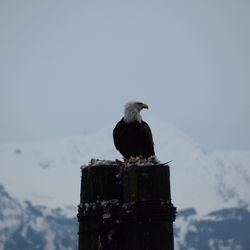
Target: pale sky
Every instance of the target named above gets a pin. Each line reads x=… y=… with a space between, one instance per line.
x=68 y=67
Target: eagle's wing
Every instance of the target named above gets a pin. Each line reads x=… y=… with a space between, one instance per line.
x=146 y=139
x=117 y=135
x=133 y=139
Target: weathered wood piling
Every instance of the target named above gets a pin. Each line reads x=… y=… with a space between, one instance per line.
x=125 y=207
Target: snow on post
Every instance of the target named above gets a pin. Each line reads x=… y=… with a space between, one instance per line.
x=126 y=206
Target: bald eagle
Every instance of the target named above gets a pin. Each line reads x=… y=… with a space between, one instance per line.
x=132 y=136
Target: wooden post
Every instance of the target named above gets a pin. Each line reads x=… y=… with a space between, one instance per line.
x=125 y=208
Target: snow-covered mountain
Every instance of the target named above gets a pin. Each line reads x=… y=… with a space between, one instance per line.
x=24 y=225
x=219 y=230
x=48 y=172
x=42 y=179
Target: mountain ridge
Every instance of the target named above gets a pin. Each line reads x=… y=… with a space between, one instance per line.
x=48 y=172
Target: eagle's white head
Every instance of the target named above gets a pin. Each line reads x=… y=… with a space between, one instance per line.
x=132 y=111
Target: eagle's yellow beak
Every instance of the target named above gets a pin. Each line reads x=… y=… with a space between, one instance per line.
x=145 y=106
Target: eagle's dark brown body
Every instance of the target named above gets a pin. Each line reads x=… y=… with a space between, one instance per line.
x=133 y=139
